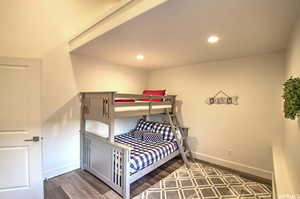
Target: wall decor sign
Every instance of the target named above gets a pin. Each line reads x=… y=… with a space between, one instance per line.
x=226 y=99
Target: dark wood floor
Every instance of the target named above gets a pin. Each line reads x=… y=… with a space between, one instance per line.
x=82 y=185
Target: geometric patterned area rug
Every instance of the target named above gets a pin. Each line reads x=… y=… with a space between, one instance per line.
x=205 y=182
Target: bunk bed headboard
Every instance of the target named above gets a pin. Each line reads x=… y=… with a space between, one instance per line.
x=98 y=106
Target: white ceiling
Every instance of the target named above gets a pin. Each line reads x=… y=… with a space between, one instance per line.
x=31 y=28
x=176 y=32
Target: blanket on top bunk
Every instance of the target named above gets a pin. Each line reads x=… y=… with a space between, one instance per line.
x=145 y=153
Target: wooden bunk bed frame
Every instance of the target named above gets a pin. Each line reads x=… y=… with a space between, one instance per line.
x=109 y=160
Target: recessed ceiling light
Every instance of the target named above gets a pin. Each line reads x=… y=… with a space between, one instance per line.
x=213 y=39
x=140 y=57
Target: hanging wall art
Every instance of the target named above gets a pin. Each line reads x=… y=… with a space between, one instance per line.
x=225 y=99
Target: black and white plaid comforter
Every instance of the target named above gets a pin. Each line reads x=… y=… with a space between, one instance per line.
x=145 y=153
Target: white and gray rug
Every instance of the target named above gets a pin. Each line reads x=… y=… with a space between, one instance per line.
x=205 y=182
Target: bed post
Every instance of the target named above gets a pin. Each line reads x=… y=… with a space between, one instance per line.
x=173 y=104
x=146 y=117
x=82 y=130
x=126 y=183
x=111 y=126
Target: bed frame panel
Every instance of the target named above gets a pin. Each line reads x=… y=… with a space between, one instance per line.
x=97 y=106
x=108 y=161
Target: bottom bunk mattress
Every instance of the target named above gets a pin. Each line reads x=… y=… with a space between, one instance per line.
x=145 y=153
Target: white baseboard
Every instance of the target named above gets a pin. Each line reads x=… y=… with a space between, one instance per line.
x=234 y=165
x=50 y=173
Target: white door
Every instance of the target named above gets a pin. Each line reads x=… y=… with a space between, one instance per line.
x=20 y=158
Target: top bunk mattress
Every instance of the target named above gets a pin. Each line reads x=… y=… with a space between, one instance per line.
x=145 y=153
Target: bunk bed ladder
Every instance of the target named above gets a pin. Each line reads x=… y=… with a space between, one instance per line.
x=181 y=139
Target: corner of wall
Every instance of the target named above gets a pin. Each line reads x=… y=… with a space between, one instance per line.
x=286 y=151
x=62 y=169
x=60 y=113
x=234 y=165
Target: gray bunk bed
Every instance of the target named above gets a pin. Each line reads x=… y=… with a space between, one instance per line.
x=108 y=159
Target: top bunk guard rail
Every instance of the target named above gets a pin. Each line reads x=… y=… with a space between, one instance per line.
x=101 y=106
x=137 y=96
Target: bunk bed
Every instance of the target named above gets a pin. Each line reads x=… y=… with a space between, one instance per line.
x=120 y=160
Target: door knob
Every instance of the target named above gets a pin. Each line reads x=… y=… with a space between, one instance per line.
x=34 y=139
